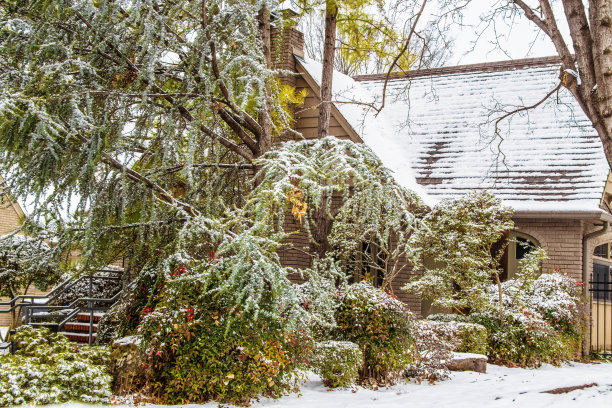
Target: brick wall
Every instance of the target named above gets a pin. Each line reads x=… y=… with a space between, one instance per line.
x=287 y=43
x=561 y=239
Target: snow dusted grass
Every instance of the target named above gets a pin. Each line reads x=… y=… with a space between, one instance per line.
x=500 y=387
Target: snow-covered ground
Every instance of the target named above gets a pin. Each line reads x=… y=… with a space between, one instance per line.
x=499 y=387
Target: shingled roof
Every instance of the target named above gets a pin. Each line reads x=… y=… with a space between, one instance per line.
x=439 y=121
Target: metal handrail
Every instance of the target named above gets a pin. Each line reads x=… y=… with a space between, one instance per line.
x=74 y=305
x=14 y=305
x=75 y=311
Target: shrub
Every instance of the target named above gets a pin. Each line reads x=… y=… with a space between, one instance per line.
x=101 y=288
x=460 y=239
x=48 y=369
x=434 y=343
x=337 y=362
x=196 y=357
x=470 y=337
x=542 y=320
x=523 y=338
x=380 y=325
x=201 y=346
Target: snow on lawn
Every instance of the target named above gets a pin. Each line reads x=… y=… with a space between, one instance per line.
x=500 y=387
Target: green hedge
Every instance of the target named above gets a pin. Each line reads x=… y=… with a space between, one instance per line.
x=337 y=362
x=467 y=337
x=49 y=369
x=381 y=326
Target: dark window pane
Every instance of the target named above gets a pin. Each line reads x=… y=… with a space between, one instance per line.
x=601 y=251
x=523 y=246
x=601 y=282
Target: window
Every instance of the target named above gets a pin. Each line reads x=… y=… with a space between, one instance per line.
x=368 y=263
x=602 y=271
x=602 y=251
x=517 y=246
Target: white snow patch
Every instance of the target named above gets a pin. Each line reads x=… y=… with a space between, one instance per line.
x=460 y=356
x=499 y=387
x=136 y=340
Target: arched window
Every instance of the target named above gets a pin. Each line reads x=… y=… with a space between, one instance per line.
x=518 y=245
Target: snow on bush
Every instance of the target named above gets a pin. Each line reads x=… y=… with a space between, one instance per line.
x=100 y=288
x=201 y=345
x=337 y=362
x=542 y=318
x=48 y=369
x=470 y=337
x=381 y=326
x=434 y=343
x=26 y=261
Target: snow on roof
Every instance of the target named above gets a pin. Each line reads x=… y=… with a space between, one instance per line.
x=436 y=128
x=352 y=101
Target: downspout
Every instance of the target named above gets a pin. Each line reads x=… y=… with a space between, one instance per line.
x=586 y=344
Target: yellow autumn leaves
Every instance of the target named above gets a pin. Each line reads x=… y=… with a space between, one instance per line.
x=299 y=206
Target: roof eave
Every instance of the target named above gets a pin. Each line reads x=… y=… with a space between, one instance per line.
x=597 y=215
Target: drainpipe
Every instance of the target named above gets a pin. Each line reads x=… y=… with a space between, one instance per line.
x=586 y=345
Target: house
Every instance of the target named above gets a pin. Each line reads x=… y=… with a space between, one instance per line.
x=437 y=134
x=11 y=216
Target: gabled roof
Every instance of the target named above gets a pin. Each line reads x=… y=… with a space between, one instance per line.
x=439 y=123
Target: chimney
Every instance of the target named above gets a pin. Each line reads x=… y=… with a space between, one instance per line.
x=288 y=41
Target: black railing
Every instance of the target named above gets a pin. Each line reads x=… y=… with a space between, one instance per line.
x=29 y=308
x=601 y=313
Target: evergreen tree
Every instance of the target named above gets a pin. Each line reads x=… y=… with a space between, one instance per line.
x=120 y=120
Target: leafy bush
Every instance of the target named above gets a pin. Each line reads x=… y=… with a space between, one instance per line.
x=26 y=261
x=48 y=369
x=522 y=338
x=123 y=318
x=202 y=347
x=542 y=318
x=195 y=356
x=337 y=362
x=434 y=343
x=470 y=337
x=380 y=325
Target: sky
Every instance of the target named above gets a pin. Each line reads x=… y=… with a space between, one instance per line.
x=516 y=40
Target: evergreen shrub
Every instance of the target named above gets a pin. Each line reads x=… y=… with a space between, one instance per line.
x=542 y=320
x=337 y=362
x=195 y=356
x=434 y=343
x=49 y=369
x=470 y=337
x=381 y=326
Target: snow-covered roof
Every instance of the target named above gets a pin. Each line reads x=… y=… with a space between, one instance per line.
x=437 y=125
x=352 y=101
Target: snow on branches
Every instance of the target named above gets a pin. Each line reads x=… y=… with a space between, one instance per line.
x=26 y=261
x=459 y=240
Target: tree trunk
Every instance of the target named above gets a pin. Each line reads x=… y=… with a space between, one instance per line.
x=329 y=51
x=320 y=229
x=600 y=13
